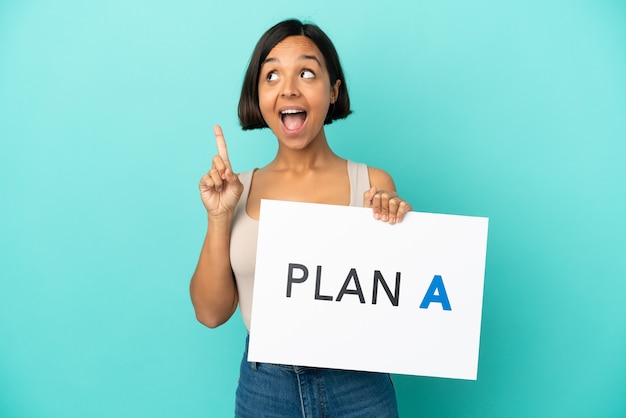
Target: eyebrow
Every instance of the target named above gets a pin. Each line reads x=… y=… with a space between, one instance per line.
x=300 y=58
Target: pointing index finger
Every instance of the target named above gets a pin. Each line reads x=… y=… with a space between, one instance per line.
x=221 y=144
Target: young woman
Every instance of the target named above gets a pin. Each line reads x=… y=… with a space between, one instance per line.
x=294 y=85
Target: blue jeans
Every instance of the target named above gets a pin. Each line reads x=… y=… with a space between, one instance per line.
x=276 y=390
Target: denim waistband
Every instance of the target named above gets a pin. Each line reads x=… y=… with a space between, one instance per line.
x=294 y=368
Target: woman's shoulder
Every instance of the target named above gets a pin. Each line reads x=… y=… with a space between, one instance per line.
x=380 y=179
x=245 y=177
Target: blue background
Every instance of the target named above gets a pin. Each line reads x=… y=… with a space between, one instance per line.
x=515 y=110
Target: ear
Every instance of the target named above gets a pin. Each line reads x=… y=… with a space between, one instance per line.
x=334 y=92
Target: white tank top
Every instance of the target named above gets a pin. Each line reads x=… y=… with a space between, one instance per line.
x=243 y=238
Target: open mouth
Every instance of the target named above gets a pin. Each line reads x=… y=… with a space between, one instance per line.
x=293 y=119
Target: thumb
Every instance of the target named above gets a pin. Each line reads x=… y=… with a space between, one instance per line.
x=368 y=197
x=229 y=176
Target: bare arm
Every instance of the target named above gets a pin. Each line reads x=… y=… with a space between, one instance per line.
x=213 y=290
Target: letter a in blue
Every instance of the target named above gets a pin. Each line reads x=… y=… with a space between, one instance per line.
x=440 y=297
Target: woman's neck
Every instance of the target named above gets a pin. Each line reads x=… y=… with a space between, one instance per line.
x=315 y=156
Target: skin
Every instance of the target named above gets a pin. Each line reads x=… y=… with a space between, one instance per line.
x=305 y=169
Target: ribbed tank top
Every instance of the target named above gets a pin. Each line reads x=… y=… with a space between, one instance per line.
x=243 y=239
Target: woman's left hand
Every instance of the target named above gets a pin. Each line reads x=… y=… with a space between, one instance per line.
x=387 y=206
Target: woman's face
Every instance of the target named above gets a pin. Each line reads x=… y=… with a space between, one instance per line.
x=295 y=91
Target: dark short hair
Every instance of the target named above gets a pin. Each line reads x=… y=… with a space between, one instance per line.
x=249 y=112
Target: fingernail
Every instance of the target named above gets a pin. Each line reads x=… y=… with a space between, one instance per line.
x=376 y=215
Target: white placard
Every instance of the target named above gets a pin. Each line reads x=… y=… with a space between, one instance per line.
x=335 y=288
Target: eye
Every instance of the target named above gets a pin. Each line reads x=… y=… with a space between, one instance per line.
x=272 y=76
x=307 y=74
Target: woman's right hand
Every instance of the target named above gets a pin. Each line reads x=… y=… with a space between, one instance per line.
x=220 y=188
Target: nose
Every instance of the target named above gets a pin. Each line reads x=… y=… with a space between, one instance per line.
x=290 y=87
